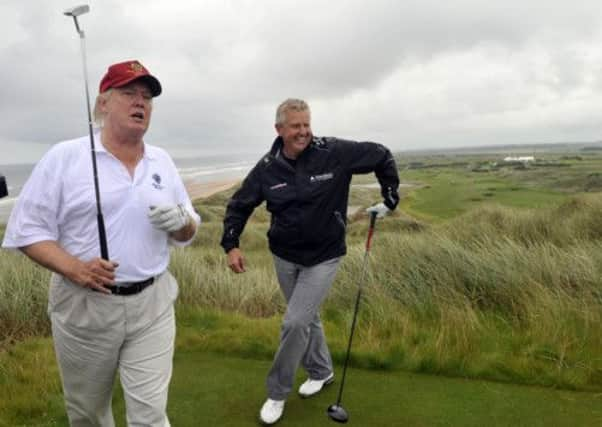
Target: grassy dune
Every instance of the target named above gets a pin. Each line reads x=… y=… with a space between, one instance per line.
x=493 y=275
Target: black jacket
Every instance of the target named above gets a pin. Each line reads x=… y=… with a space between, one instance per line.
x=308 y=202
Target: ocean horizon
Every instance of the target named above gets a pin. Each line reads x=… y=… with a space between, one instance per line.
x=195 y=169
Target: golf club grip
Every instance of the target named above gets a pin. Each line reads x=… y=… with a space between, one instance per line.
x=371 y=230
x=102 y=237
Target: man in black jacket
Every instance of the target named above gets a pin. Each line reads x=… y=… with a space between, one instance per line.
x=305 y=183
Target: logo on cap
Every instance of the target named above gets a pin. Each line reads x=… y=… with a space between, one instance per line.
x=137 y=67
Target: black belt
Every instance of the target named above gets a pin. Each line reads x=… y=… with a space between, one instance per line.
x=131 y=288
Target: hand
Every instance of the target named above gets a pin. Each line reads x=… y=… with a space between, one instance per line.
x=236 y=261
x=380 y=209
x=96 y=274
x=168 y=218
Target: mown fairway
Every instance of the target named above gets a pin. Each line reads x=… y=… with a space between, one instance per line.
x=210 y=389
x=451 y=193
x=451 y=185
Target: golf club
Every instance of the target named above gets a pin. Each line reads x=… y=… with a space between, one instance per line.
x=74 y=12
x=3 y=188
x=336 y=412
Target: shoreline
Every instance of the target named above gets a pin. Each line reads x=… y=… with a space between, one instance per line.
x=202 y=190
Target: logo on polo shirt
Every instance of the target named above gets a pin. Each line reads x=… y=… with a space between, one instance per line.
x=157 y=181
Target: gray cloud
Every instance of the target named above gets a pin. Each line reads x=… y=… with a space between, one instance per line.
x=411 y=74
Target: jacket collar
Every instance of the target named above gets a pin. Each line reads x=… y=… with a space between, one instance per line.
x=276 y=150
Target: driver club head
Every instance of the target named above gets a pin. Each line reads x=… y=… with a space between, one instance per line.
x=77 y=10
x=338 y=413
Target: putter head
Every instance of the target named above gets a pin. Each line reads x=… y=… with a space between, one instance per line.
x=338 y=413
x=77 y=10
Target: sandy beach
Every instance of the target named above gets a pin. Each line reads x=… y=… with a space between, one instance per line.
x=201 y=190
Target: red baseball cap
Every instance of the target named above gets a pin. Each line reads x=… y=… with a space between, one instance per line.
x=121 y=74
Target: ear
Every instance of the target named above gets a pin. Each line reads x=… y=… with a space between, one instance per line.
x=101 y=103
x=278 y=128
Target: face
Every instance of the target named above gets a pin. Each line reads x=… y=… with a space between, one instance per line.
x=295 y=132
x=129 y=108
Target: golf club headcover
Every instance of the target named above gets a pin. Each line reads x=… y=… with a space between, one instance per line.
x=3 y=187
x=380 y=209
x=168 y=218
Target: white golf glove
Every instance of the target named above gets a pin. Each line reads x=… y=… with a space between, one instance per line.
x=168 y=218
x=380 y=209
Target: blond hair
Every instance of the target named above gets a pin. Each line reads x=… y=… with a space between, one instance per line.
x=97 y=115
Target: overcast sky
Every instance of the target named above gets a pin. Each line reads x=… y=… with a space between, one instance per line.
x=410 y=74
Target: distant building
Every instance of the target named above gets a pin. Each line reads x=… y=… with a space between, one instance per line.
x=524 y=159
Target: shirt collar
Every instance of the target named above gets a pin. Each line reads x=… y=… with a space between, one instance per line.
x=100 y=148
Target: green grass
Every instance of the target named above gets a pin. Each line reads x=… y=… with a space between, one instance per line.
x=23 y=298
x=30 y=390
x=235 y=392
x=499 y=293
x=453 y=184
x=481 y=275
x=213 y=389
x=446 y=193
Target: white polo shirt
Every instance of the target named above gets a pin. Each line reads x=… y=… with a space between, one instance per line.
x=58 y=203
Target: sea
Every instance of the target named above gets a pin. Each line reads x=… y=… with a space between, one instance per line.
x=192 y=168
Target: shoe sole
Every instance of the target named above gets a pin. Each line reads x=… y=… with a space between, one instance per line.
x=262 y=422
x=265 y=423
x=326 y=383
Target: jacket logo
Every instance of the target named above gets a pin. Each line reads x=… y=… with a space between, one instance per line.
x=157 y=181
x=277 y=186
x=322 y=177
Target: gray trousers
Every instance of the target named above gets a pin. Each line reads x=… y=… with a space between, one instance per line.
x=302 y=338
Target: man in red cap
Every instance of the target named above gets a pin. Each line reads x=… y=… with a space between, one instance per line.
x=109 y=316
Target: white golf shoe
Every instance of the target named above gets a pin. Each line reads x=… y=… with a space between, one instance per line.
x=311 y=387
x=271 y=411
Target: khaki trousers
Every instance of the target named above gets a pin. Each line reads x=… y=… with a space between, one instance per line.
x=98 y=335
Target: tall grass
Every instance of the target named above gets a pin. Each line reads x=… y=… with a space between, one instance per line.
x=499 y=293
x=491 y=308
x=23 y=298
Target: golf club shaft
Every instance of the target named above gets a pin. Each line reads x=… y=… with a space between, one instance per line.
x=357 y=304
x=102 y=236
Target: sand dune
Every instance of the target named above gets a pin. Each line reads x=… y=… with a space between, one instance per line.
x=201 y=190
